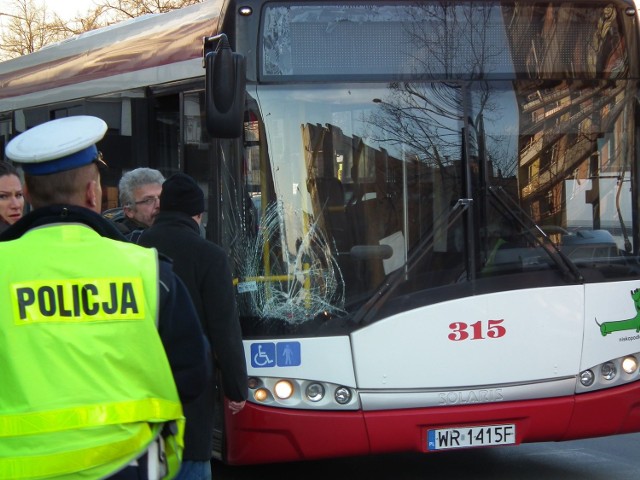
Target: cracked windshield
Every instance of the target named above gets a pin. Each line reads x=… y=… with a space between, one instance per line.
x=453 y=166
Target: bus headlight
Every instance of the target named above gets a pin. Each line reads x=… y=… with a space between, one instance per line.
x=261 y=395
x=587 y=378
x=629 y=364
x=301 y=393
x=342 y=395
x=610 y=374
x=283 y=389
x=315 y=392
x=608 y=371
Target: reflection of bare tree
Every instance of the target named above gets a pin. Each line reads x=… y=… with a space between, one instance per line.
x=458 y=40
x=426 y=121
x=454 y=41
x=422 y=119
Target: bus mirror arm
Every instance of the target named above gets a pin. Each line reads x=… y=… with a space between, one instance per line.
x=225 y=81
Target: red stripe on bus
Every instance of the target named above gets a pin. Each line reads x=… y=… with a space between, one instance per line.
x=262 y=435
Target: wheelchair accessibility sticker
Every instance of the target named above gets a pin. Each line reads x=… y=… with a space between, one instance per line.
x=281 y=354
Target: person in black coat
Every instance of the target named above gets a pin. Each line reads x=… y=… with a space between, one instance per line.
x=204 y=268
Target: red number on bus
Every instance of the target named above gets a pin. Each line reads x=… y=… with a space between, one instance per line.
x=460 y=330
x=495 y=330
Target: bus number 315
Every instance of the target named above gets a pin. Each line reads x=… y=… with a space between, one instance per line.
x=477 y=331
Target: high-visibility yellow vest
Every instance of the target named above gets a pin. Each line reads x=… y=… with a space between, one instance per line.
x=85 y=384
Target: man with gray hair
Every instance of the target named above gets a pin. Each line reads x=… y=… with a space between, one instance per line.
x=140 y=200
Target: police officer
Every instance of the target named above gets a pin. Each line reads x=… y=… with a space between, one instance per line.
x=100 y=342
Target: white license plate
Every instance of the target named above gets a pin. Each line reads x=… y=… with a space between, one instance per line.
x=476 y=436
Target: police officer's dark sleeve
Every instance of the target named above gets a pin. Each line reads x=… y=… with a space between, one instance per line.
x=186 y=346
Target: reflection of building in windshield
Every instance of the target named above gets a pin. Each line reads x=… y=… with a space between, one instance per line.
x=564 y=134
x=572 y=160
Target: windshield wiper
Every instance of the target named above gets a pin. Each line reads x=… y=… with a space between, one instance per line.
x=367 y=312
x=566 y=266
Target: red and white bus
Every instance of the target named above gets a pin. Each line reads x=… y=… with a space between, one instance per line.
x=431 y=207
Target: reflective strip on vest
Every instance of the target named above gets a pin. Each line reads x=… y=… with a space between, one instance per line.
x=146 y=410
x=44 y=466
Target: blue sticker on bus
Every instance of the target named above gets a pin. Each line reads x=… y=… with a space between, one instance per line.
x=263 y=355
x=288 y=354
x=270 y=354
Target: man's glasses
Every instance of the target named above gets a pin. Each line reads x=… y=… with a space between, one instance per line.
x=148 y=201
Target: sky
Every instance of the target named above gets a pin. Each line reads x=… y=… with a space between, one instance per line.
x=68 y=8
x=65 y=8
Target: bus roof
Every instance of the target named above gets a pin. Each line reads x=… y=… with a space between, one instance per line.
x=148 y=50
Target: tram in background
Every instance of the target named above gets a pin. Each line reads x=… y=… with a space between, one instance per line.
x=431 y=208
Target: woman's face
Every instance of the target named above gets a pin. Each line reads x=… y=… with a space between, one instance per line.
x=11 y=199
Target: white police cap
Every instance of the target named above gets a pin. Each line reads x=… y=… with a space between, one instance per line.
x=58 y=145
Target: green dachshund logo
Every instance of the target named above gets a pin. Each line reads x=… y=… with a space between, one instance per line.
x=629 y=324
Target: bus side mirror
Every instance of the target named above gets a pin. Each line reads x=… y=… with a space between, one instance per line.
x=225 y=82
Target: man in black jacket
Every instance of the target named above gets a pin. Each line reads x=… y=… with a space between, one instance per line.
x=204 y=268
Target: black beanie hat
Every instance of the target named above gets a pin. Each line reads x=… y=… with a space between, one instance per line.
x=181 y=193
